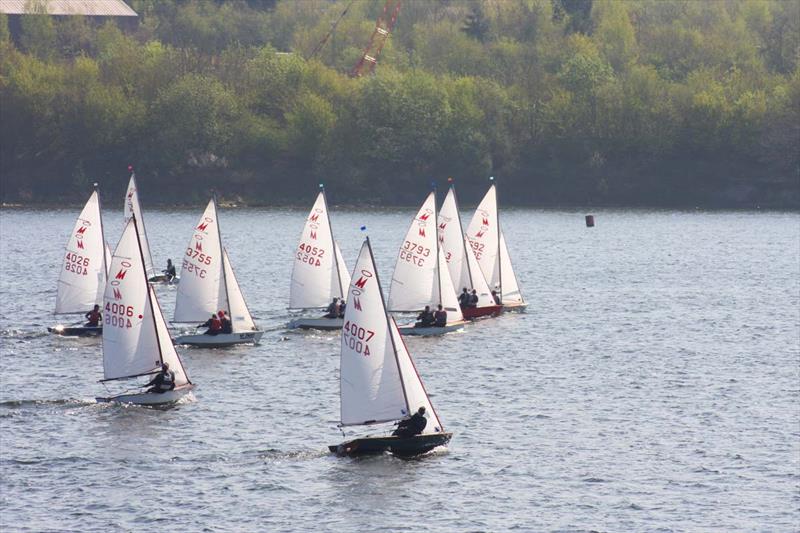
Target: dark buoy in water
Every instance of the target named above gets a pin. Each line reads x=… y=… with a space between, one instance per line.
x=589 y=221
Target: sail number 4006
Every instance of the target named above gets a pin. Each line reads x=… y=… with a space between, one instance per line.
x=356 y=338
x=117 y=315
x=309 y=254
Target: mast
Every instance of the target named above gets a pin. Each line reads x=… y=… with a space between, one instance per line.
x=461 y=231
x=436 y=233
x=389 y=327
x=147 y=286
x=136 y=187
x=222 y=253
x=499 y=260
x=333 y=241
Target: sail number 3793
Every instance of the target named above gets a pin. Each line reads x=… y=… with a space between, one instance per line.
x=356 y=338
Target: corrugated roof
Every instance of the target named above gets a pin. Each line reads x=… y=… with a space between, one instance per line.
x=92 y=8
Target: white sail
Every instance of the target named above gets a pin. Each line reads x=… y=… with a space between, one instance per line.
x=202 y=291
x=484 y=234
x=130 y=345
x=108 y=258
x=133 y=207
x=241 y=320
x=448 y=298
x=370 y=386
x=378 y=380
x=318 y=272
x=415 y=282
x=83 y=270
x=168 y=353
x=511 y=292
x=461 y=262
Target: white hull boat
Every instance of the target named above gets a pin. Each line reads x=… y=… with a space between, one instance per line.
x=412 y=330
x=150 y=398
x=221 y=339
x=324 y=324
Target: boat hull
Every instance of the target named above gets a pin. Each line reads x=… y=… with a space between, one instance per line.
x=150 y=398
x=162 y=278
x=515 y=307
x=324 y=324
x=76 y=331
x=401 y=447
x=471 y=313
x=431 y=331
x=221 y=340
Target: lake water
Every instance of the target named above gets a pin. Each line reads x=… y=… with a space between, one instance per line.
x=652 y=385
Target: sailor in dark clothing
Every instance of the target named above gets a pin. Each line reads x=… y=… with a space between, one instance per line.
x=496 y=298
x=333 y=309
x=463 y=299
x=473 y=299
x=164 y=380
x=440 y=317
x=93 y=317
x=213 y=324
x=225 y=322
x=342 y=305
x=169 y=272
x=425 y=319
x=413 y=425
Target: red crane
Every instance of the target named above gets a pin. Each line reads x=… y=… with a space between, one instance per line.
x=378 y=38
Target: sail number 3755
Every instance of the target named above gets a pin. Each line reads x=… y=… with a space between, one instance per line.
x=356 y=338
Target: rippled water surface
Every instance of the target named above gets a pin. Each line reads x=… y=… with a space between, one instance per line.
x=653 y=385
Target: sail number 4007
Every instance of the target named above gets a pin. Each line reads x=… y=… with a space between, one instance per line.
x=118 y=315
x=356 y=338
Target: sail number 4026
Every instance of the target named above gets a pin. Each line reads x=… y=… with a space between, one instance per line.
x=356 y=338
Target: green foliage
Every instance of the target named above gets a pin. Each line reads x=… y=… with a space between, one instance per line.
x=567 y=101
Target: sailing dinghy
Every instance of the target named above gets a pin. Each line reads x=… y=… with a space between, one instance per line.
x=319 y=274
x=379 y=382
x=208 y=284
x=461 y=262
x=489 y=245
x=421 y=276
x=83 y=270
x=135 y=338
x=134 y=208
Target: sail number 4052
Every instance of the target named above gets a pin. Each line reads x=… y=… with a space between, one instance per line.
x=309 y=254
x=356 y=338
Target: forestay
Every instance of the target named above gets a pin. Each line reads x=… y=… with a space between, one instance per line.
x=134 y=208
x=83 y=270
x=319 y=273
x=418 y=276
x=202 y=291
x=462 y=265
x=378 y=381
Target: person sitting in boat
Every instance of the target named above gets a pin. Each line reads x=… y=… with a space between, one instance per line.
x=164 y=380
x=473 y=299
x=440 y=317
x=213 y=324
x=425 y=318
x=340 y=311
x=169 y=272
x=496 y=298
x=333 y=309
x=463 y=299
x=226 y=326
x=93 y=317
x=411 y=426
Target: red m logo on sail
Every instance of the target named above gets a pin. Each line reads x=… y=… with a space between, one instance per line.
x=198 y=246
x=357 y=303
x=479 y=234
x=80 y=244
x=361 y=282
x=422 y=232
x=314 y=217
x=442 y=225
x=425 y=216
x=117 y=294
x=121 y=274
x=82 y=230
x=203 y=226
x=313 y=234
x=485 y=221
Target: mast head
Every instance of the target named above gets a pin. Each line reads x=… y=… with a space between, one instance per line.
x=95 y=185
x=321 y=186
x=491 y=178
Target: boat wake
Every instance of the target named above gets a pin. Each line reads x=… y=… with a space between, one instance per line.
x=21 y=334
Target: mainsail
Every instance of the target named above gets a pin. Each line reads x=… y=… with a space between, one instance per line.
x=84 y=268
x=135 y=336
x=464 y=269
x=378 y=379
x=421 y=276
x=319 y=273
x=134 y=208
